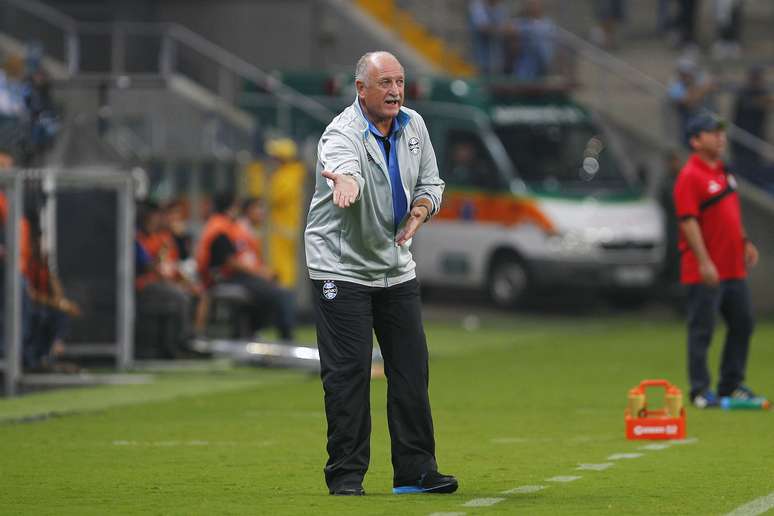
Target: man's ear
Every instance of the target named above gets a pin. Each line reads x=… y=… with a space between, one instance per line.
x=360 y=87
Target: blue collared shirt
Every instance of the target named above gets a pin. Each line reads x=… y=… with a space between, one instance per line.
x=387 y=144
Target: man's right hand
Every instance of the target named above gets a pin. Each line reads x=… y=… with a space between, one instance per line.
x=345 y=188
x=709 y=273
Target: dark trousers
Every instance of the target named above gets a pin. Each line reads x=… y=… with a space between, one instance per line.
x=47 y=324
x=269 y=302
x=686 y=20
x=347 y=314
x=732 y=299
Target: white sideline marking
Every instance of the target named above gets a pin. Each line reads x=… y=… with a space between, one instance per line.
x=523 y=490
x=757 y=506
x=482 y=502
x=448 y=514
x=655 y=447
x=690 y=440
x=568 y=478
x=595 y=467
x=619 y=456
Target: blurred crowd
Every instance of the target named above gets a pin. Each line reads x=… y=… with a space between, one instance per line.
x=236 y=276
x=694 y=90
x=528 y=47
x=29 y=119
x=523 y=46
x=243 y=263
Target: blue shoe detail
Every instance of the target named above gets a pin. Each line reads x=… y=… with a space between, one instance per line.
x=706 y=399
x=408 y=490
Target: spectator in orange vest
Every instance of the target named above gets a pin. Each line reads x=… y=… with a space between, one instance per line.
x=223 y=256
x=162 y=291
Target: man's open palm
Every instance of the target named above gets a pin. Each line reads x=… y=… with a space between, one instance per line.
x=345 y=188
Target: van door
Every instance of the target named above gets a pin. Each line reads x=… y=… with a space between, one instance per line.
x=453 y=249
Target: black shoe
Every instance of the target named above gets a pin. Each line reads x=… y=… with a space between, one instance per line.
x=348 y=491
x=430 y=482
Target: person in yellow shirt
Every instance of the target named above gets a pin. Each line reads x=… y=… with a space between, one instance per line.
x=285 y=197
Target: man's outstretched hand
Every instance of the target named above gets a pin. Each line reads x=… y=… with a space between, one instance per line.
x=345 y=188
x=416 y=218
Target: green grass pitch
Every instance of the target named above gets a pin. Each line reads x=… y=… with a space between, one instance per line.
x=516 y=402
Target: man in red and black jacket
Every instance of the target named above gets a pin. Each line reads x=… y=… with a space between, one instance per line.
x=715 y=253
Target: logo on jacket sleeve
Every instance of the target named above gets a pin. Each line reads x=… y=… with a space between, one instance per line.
x=413 y=144
x=329 y=290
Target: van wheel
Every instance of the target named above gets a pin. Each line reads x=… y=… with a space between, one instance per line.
x=508 y=282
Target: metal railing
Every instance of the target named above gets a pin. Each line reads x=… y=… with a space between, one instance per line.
x=612 y=81
x=12 y=306
x=161 y=49
x=14 y=182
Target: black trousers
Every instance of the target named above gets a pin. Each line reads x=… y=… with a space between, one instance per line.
x=732 y=299
x=269 y=302
x=347 y=314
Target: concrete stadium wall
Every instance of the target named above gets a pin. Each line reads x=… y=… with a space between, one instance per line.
x=281 y=34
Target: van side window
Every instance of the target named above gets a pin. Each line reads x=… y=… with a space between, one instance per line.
x=468 y=164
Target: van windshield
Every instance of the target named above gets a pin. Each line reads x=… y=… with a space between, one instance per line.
x=564 y=158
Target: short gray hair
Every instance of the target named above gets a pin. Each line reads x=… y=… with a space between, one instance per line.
x=361 y=68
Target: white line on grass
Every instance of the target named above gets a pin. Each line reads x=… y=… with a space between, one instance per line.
x=690 y=440
x=619 y=456
x=448 y=514
x=655 y=447
x=595 y=467
x=757 y=506
x=523 y=490
x=565 y=478
x=482 y=502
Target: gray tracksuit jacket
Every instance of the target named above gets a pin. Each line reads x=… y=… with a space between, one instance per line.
x=357 y=244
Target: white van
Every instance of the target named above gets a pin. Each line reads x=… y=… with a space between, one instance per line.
x=538 y=195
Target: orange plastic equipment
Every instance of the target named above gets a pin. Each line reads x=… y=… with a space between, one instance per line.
x=664 y=423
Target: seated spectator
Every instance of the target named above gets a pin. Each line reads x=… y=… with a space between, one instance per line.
x=488 y=22
x=11 y=100
x=164 y=296
x=728 y=27
x=173 y=221
x=250 y=221
x=43 y=118
x=226 y=255
x=50 y=310
x=751 y=109
x=532 y=44
x=690 y=93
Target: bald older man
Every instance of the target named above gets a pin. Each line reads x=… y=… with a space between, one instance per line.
x=377 y=183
